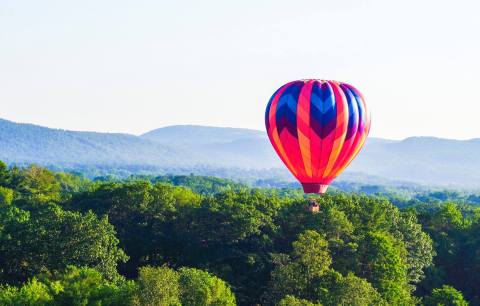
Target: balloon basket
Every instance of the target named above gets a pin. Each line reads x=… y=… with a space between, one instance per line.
x=313 y=206
x=314 y=188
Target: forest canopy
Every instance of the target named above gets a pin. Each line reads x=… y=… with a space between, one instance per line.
x=192 y=240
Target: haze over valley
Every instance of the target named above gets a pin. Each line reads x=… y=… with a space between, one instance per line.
x=234 y=153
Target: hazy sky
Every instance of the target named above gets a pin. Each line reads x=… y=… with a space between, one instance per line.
x=132 y=66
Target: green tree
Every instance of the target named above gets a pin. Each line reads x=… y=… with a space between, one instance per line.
x=4 y=175
x=299 y=273
x=381 y=261
x=86 y=286
x=445 y=296
x=231 y=234
x=306 y=274
x=353 y=291
x=142 y=215
x=35 y=185
x=456 y=243
x=290 y=300
x=73 y=287
x=50 y=239
x=6 y=196
x=418 y=244
x=32 y=293
x=311 y=251
x=71 y=184
x=200 y=288
x=158 y=286
x=448 y=217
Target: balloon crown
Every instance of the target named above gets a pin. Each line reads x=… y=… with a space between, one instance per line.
x=320 y=80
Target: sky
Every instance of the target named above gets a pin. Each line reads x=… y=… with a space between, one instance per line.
x=133 y=66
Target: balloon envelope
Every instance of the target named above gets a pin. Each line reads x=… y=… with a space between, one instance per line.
x=317 y=128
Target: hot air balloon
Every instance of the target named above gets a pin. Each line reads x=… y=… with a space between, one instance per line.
x=317 y=127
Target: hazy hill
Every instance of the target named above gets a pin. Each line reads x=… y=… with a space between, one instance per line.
x=28 y=143
x=216 y=146
x=424 y=160
x=196 y=134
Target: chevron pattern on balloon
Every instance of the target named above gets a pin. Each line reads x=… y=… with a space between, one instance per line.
x=317 y=127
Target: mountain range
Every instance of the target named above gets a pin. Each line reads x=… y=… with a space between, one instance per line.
x=421 y=160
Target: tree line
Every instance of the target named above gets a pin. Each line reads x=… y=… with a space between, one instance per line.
x=192 y=240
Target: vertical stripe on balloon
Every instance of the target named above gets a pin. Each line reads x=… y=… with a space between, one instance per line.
x=287 y=126
x=328 y=121
x=352 y=128
x=315 y=127
x=340 y=129
x=303 y=126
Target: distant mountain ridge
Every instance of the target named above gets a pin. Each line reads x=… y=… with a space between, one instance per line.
x=197 y=134
x=20 y=143
x=423 y=160
x=224 y=147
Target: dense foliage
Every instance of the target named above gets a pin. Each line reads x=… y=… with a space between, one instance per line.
x=188 y=240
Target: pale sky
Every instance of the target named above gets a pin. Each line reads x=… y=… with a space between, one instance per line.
x=133 y=66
